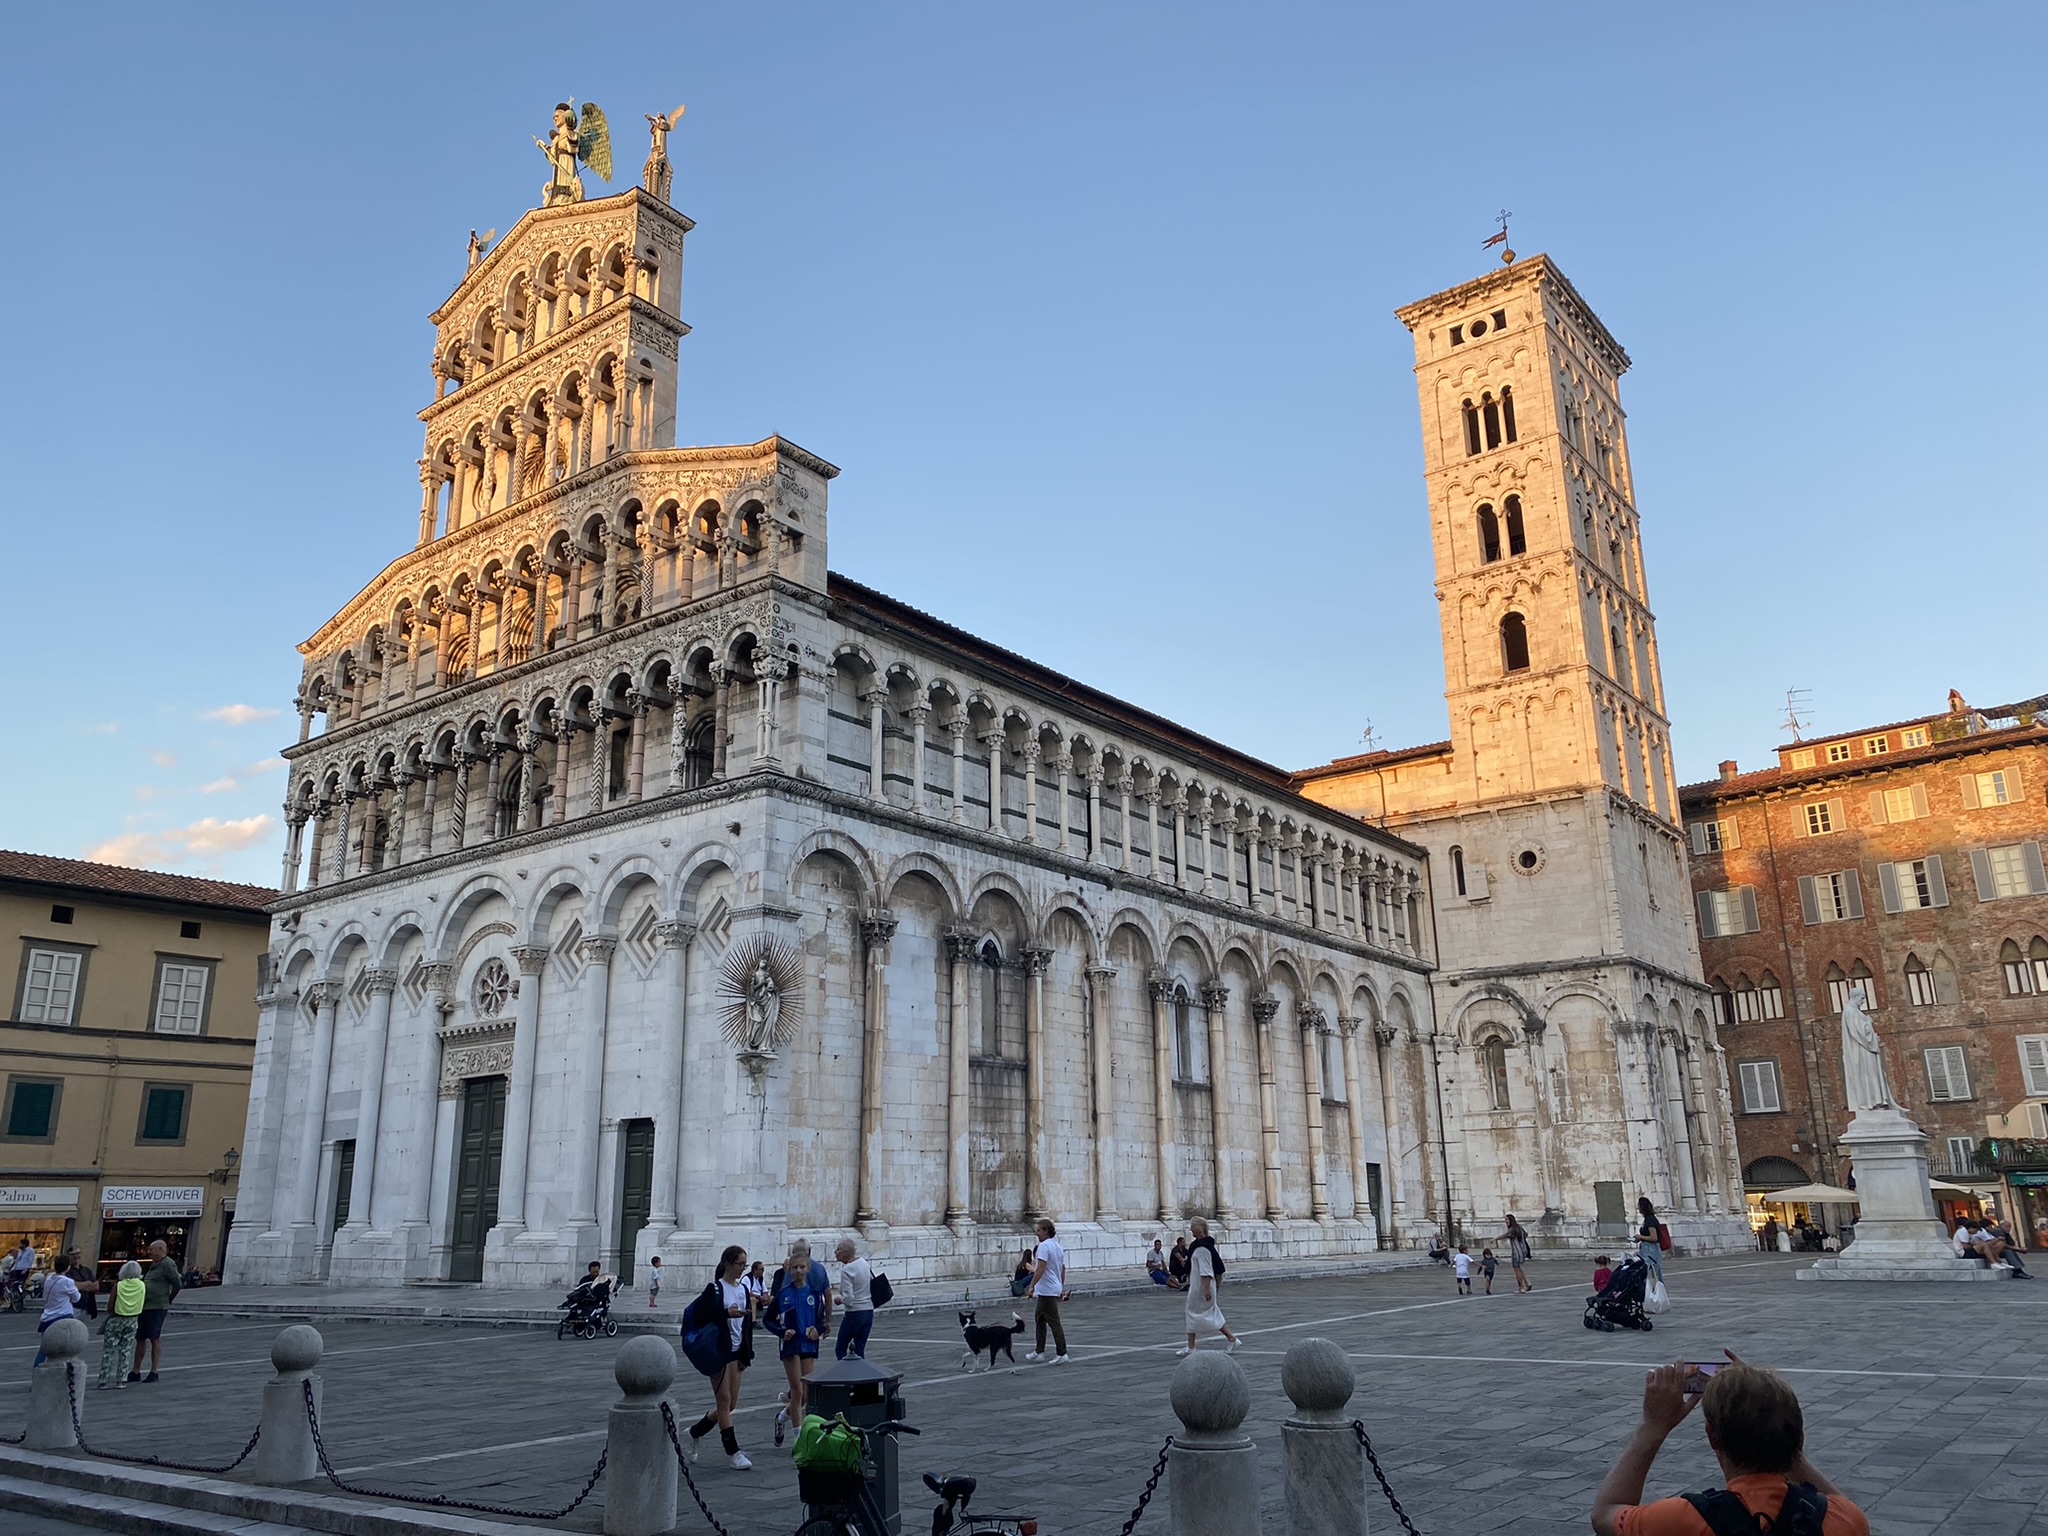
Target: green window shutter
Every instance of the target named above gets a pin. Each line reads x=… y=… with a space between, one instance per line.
x=1937 y=884
x=1706 y=904
x=1980 y=866
x=1749 y=922
x=1699 y=837
x=164 y=1117
x=2037 y=876
x=1809 y=901
x=1888 y=886
x=1877 y=814
x=1919 y=800
x=31 y=1114
x=1852 y=891
x=1969 y=783
x=1731 y=834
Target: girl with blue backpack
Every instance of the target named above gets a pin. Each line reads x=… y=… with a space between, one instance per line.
x=714 y=1327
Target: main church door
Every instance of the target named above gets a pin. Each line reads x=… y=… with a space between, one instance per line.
x=636 y=1191
x=481 y=1148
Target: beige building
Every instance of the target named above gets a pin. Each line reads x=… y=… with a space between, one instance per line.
x=1576 y=1046
x=126 y=1054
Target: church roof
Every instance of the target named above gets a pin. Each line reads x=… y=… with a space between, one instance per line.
x=118 y=880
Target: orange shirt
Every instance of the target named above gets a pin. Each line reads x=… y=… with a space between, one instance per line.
x=1763 y=1494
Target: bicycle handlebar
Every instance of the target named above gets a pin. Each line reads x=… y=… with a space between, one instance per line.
x=890 y=1427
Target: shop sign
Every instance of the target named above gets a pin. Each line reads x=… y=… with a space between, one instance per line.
x=37 y=1196
x=2028 y=1180
x=118 y=1201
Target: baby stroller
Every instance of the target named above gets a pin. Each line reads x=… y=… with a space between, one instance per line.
x=588 y=1309
x=1620 y=1302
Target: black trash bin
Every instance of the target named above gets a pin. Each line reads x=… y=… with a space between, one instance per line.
x=868 y=1395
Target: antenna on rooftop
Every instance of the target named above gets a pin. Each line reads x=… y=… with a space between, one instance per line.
x=1370 y=738
x=1798 y=711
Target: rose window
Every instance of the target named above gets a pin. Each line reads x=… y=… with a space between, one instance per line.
x=492 y=988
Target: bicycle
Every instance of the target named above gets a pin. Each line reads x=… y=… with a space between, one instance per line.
x=951 y=1518
x=843 y=1504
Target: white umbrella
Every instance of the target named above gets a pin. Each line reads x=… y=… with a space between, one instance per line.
x=1812 y=1194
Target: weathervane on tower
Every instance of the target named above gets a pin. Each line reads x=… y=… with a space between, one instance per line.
x=1507 y=254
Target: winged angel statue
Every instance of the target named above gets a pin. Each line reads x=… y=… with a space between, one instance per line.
x=588 y=140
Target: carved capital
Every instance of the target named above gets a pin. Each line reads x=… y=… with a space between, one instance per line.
x=322 y=994
x=1158 y=986
x=531 y=958
x=675 y=935
x=1265 y=1010
x=1346 y=1025
x=599 y=951
x=1311 y=1018
x=1385 y=1034
x=1214 y=994
x=1036 y=959
x=960 y=943
x=1101 y=975
x=877 y=927
x=377 y=980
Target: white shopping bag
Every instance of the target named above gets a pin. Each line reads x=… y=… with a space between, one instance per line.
x=1654 y=1299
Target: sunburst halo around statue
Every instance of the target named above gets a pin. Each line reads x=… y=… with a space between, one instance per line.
x=760 y=995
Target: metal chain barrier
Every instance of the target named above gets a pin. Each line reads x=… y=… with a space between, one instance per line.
x=440 y=1500
x=668 y=1418
x=1400 y=1514
x=1151 y=1487
x=78 y=1429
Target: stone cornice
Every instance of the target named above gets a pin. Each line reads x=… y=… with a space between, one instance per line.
x=1470 y=294
x=1485 y=973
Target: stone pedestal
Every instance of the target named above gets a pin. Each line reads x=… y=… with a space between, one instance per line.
x=1325 y=1462
x=640 y=1464
x=56 y=1390
x=1212 y=1470
x=1898 y=1234
x=284 y=1452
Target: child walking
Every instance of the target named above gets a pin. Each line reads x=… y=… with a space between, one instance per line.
x=654 y=1280
x=1461 y=1266
x=1487 y=1265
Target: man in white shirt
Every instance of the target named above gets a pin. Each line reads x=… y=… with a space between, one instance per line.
x=856 y=1301
x=1049 y=1289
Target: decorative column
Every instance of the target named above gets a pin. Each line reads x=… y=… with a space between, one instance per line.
x=993 y=740
x=1062 y=767
x=1032 y=751
x=532 y=960
x=1252 y=844
x=1095 y=812
x=1384 y=1036
x=920 y=718
x=768 y=712
x=1533 y=1031
x=565 y=736
x=522 y=778
x=959 y=1078
x=458 y=809
x=956 y=729
x=1215 y=996
x=402 y=781
x=679 y=738
x=1676 y=1127
x=1101 y=1019
x=874 y=698
x=295 y=828
x=322 y=998
x=1035 y=961
x=1229 y=862
x=1313 y=1021
x=572 y=591
x=1151 y=798
x=636 y=762
x=608 y=593
x=597 y=986
x=1123 y=821
x=721 y=677
x=1308 y=887
x=600 y=757
x=1361 y=1205
x=377 y=1029
x=1263 y=1011
x=1177 y=809
x=348 y=802
x=1160 y=989
x=877 y=928
x=1203 y=823
x=671 y=1014
x=494 y=776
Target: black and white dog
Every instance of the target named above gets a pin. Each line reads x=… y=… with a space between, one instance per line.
x=989 y=1340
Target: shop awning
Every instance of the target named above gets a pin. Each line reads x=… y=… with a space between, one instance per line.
x=1813 y=1194
x=1943 y=1187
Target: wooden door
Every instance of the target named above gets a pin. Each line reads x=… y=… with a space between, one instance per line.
x=636 y=1191
x=481 y=1145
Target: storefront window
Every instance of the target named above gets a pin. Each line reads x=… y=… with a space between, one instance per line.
x=121 y=1241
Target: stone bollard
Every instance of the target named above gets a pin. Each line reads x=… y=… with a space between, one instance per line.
x=1212 y=1471
x=284 y=1452
x=57 y=1389
x=640 y=1464
x=1325 y=1462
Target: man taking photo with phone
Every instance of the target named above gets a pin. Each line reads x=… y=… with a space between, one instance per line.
x=1757 y=1433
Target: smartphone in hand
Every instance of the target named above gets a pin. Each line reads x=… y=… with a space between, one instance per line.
x=1697 y=1372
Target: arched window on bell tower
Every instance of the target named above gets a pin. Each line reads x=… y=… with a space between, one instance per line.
x=1489 y=536
x=1518 y=543
x=1514 y=643
x=1471 y=428
x=1489 y=415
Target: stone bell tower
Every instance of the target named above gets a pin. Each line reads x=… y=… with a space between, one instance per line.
x=1550 y=649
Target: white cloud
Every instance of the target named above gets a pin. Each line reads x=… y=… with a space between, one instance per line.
x=164 y=759
x=103 y=728
x=206 y=838
x=239 y=714
x=263 y=766
x=145 y=792
x=219 y=787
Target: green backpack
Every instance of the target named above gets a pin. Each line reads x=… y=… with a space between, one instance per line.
x=826 y=1445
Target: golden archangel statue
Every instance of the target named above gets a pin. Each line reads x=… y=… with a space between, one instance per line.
x=572 y=140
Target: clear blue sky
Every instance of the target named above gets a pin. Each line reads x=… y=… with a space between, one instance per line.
x=1091 y=303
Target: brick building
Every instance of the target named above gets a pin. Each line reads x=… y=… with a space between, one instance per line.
x=1907 y=857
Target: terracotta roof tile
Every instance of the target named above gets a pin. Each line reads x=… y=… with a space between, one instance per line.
x=77 y=874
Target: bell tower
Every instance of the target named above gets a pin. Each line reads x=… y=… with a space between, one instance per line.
x=1550 y=648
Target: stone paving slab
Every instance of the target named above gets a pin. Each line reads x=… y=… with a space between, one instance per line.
x=1929 y=1404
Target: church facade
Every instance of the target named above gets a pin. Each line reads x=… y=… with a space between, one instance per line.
x=649 y=887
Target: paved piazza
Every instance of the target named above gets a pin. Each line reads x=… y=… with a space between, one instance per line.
x=1927 y=1403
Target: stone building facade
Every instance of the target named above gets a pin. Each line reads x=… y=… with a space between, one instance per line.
x=1576 y=1053
x=650 y=888
x=1907 y=857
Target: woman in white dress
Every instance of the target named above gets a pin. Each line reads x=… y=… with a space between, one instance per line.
x=1205 y=1284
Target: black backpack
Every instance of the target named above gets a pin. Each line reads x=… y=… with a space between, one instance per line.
x=1801 y=1514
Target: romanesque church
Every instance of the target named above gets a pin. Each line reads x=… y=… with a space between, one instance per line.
x=651 y=887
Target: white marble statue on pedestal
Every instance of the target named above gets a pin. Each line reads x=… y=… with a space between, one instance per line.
x=1863 y=1056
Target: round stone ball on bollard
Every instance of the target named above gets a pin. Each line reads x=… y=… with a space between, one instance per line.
x=285 y=1453
x=1318 y=1379
x=1212 y=1471
x=1325 y=1463
x=57 y=1390
x=640 y=1461
x=646 y=1366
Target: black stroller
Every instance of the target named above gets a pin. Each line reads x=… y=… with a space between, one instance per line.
x=588 y=1309
x=1620 y=1302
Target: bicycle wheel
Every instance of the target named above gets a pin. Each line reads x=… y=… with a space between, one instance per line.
x=834 y=1524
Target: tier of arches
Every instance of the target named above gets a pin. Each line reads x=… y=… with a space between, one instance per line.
x=539 y=301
